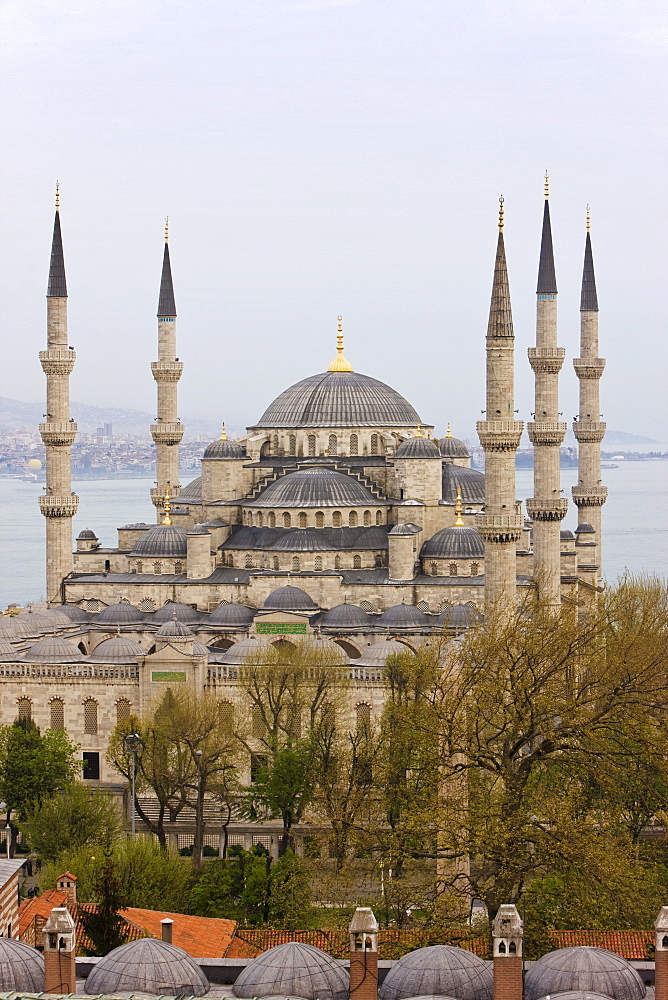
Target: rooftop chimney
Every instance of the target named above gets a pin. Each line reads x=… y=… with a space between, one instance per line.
x=166 y=926
x=363 y=955
x=507 y=940
x=67 y=883
x=59 y=952
x=661 y=955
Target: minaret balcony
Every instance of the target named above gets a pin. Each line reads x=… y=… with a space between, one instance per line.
x=58 y=433
x=158 y=496
x=167 y=371
x=53 y=506
x=547 y=432
x=589 y=496
x=589 y=367
x=547 y=510
x=167 y=433
x=500 y=435
x=57 y=361
x=500 y=527
x=589 y=431
x=546 y=359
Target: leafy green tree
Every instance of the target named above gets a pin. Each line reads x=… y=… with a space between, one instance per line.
x=282 y=787
x=33 y=767
x=103 y=925
x=76 y=817
x=290 y=893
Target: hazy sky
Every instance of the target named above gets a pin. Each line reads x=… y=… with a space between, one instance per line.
x=332 y=156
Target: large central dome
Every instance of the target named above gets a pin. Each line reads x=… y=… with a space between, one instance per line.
x=339 y=399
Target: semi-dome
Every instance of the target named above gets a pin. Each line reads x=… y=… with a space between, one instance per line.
x=440 y=970
x=468 y=483
x=21 y=967
x=231 y=615
x=165 y=540
x=458 y=616
x=583 y=968
x=192 y=491
x=315 y=487
x=182 y=612
x=118 y=649
x=289 y=599
x=454 y=543
x=452 y=447
x=345 y=616
x=302 y=540
x=403 y=616
x=53 y=649
x=223 y=449
x=293 y=970
x=122 y=613
x=147 y=966
x=376 y=655
x=339 y=399
x=417 y=447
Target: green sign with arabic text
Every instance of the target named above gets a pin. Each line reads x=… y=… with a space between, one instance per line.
x=281 y=628
x=168 y=676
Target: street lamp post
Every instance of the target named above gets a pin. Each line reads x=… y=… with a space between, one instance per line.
x=133 y=743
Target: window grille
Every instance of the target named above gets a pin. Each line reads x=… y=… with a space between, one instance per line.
x=57 y=714
x=122 y=709
x=90 y=717
x=25 y=709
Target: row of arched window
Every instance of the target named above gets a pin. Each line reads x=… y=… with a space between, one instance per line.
x=158 y=568
x=453 y=569
x=57 y=713
x=298 y=563
x=301 y=520
x=294 y=723
x=334 y=444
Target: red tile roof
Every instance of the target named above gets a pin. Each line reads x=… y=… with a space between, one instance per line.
x=637 y=945
x=39 y=906
x=392 y=943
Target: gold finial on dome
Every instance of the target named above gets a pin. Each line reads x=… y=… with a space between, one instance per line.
x=167 y=230
x=547 y=184
x=340 y=364
x=167 y=506
x=57 y=196
x=418 y=433
x=448 y=433
x=588 y=219
x=501 y=200
x=223 y=434
x=458 y=511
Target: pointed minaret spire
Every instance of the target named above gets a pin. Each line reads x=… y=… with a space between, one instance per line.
x=166 y=302
x=588 y=297
x=500 y=322
x=57 y=283
x=547 y=277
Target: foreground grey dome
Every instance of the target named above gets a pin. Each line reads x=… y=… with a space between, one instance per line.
x=454 y=543
x=339 y=399
x=296 y=970
x=147 y=966
x=315 y=487
x=75 y=614
x=122 y=613
x=231 y=615
x=417 y=447
x=289 y=599
x=345 y=616
x=376 y=655
x=240 y=651
x=223 y=449
x=452 y=447
x=439 y=971
x=162 y=540
x=583 y=968
x=403 y=616
x=8 y=652
x=53 y=649
x=459 y=616
x=576 y=995
x=182 y=612
x=174 y=629
x=21 y=967
x=118 y=649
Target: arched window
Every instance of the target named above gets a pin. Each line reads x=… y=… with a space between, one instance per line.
x=90 y=716
x=433 y=569
x=122 y=709
x=295 y=722
x=178 y=566
x=374 y=444
x=248 y=561
x=293 y=444
x=259 y=519
x=157 y=568
x=57 y=707
x=287 y=520
x=274 y=444
x=363 y=717
x=379 y=517
x=319 y=519
x=475 y=568
x=271 y=518
x=453 y=569
x=367 y=518
x=302 y=519
x=275 y=562
x=311 y=445
x=139 y=566
x=258 y=727
x=317 y=563
x=295 y=564
x=249 y=517
x=357 y=562
x=336 y=518
x=352 y=518
x=379 y=560
x=333 y=445
x=337 y=562
x=354 y=444
x=230 y=560
x=226 y=716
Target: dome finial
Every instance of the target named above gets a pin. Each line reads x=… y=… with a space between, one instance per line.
x=501 y=200
x=57 y=196
x=418 y=433
x=167 y=506
x=339 y=364
x=167 y=230
x=448 y=433
x=588 y=219
x=458 y=511
x=223 y=434
x=547 y=185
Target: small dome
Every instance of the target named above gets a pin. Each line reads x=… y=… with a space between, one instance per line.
x=315 y=487
x=454 y=543
x=118 y=649
x=232 y=616
x=199 y=649
x=566 y=535
x=585 y=529
x=33 y=623
x=452 y=447
x=403 y=616
x=191 y=492
x=459 y=616
x=583 y=968
x=345 y=616
x=289 y=599
x=147 y=966
x=122 y=613
x=293 y=970
x=53 y=649
x=240 y=651
x=162 y=540
x=87 y=533
x=469 y=483
x=376 y=655
x=417 y=447
x=406 y=529
x=174 y=629
x=438 y=971
x=301 y=540
x=576 y=995
x=223 y=449
x=75 y=614
x=7 y=652
x=183 y=613
x=21 y=967
x=198 y=529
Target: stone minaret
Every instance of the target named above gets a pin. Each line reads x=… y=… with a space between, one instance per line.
x=59 y=504
x=547 y=507
x=589 y=496
x=500 y=525
x=168 y=431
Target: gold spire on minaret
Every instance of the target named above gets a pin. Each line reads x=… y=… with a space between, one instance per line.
x=167 y=230
x=340 y=364
x=167 y=506
x=501 y=200
x=448 y=433
x=57 y=196
x=223 y=434
x=588 y=219
x=547 y=185
x=459 y=523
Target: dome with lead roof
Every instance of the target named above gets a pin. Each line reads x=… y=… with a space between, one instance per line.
x=122 y=613
x=118 y=649
x=174 y=629
x=437 y=971
x=53 y=649
x=454 y=543
x=232 y=616
x=315 y=487
x=147 y=966
x=293 y=970
x=376 y=655
x=302 y=540
x=345 y=616
x=192 y=491
x=240 y=651
x=165 y=540
x=222 y=449
x=452 y=447
x=182 y=612
x=583 y=968
x=417 y=447
x=21 y=967
x=469 y=483
x=459 y=616
x=8 y=652
x=75 y=614
x=289 y=599
x=87 y=534
x=403 y=616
